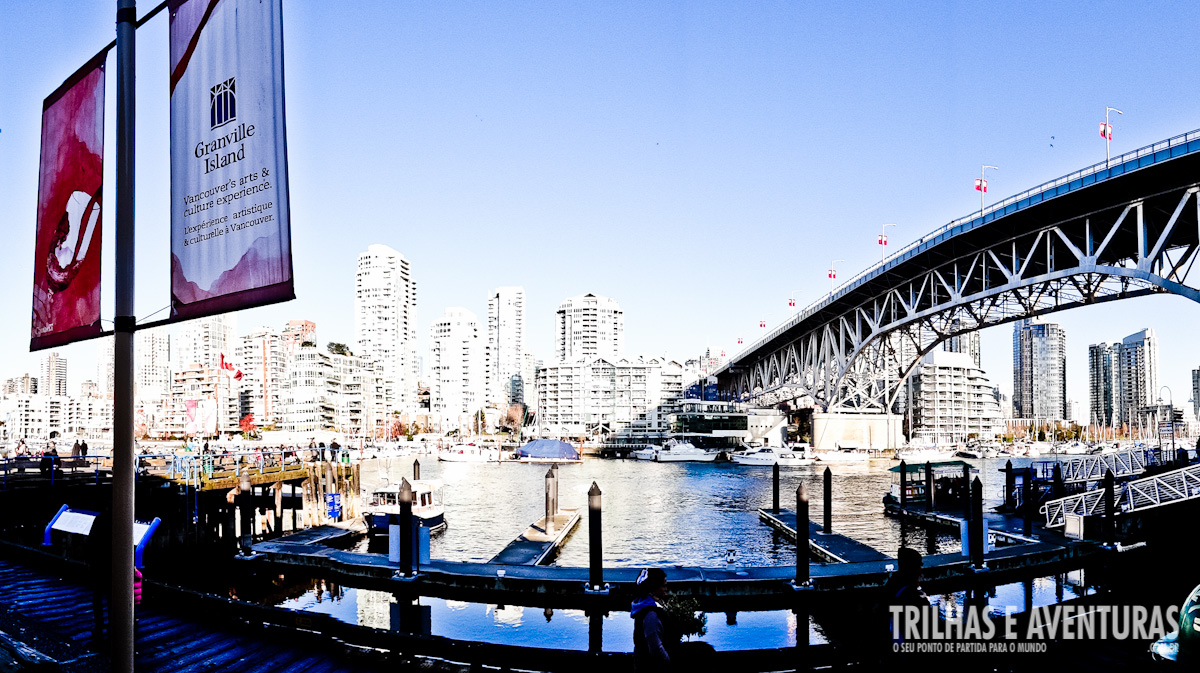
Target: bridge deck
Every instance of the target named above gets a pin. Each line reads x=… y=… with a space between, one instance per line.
x=829 y=547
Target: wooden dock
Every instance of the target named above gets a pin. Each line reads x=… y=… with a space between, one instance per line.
x=536 y=546
x=828 y=547
x=1004 y=526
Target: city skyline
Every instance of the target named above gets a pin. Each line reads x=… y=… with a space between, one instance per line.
x=719 y=164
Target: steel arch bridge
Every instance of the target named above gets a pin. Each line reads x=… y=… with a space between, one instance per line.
x=1125 y=228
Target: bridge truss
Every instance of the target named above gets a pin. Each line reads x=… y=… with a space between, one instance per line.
x=853 y=352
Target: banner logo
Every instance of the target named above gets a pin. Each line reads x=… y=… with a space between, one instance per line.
x=222 y=103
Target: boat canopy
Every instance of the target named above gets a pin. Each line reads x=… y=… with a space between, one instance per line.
x=548 y=449
x=954 y=466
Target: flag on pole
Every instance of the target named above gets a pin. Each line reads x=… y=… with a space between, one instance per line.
x=980 y=185
x=882 y=239
x=66 y=263
x=762 y=323
x=1106 y=131
x=228 y=366
x=833 y=273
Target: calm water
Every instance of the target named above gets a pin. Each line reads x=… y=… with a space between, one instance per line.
x=663 y=513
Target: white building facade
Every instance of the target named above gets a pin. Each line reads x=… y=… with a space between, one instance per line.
x=1138 y=375
x=602 y=396
x=262 y=358
x=953 y=400
x=589 y=327
x=505 y=343
x=385 y=313
x=53 y=380
x=457 y=378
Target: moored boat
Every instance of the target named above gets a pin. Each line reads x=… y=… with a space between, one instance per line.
x=428 y=507
x=675 y=451
x=770 y=455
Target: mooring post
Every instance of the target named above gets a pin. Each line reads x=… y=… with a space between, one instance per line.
x=827 y=526
x=1181 y=457
x=246 y=510
x=1028 y=502
x=406 y=527
x=595 y=631
x=966 y=497
x=929 y=500
x=801 y=534
x=595 y=542
x=1110 y=508
x=775 y=488
x=551 y=505
x=1059 y=489
x=903 y=486
x=416 y=469
x=1010 y=485
x=554 y=466
x=975 y=527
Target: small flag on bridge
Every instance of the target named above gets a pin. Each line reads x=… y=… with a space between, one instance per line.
x=833 y=273
x=980 y=185
x=762 y=323
x=791 y=303
x=739 y=340
x=1106 y=130
x=882 y=239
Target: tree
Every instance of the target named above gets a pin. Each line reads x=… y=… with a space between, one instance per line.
x=514 y=418
x=248 y=427
x=1041 y=436
x=307 y=344
x=338 y=349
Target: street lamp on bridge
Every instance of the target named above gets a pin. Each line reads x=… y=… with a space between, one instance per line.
x=833 y=274
x=1106 y=133
x=887 y=374
x=792 y=300
x=981 y=185
x=883 y=241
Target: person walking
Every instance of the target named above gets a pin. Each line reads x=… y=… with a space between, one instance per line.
x=83 y=448
x=902 y=589
x=649 y=614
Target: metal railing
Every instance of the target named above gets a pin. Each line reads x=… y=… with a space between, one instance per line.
x=1119 y=165
x=1137 y=495
x=1092 y=468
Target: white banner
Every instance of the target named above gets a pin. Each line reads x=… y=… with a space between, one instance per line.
x=230 y=224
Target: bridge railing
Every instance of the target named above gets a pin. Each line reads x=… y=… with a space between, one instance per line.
x=1140 y=158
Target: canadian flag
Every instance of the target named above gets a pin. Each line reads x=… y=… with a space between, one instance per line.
x=882 y=239
x=791 y=303
x=1106 y=131
x=833 y=273
x=237 y=373
x=980 y=185
x=762 y=323
x=739 y=339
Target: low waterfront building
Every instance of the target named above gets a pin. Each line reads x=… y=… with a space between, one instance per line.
x=601 y=397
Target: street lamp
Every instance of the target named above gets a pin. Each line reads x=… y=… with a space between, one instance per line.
x=981 y=185
x=1106 y=133
x=883 y=241
x=792 y=300
x=887 y=375
x=833 y=274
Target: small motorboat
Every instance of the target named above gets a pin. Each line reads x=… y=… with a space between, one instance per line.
x=468 y=453
x=648 y=453
x=770 y=455
x=428 y=509
x=675 y=451
x=845 y=454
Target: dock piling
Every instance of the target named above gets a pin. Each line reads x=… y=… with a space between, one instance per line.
x=1059 y=489
x=1110 y=508
x=975 y=527
x=551 y=503
x=1010 y=485
x=929 y=500
x=406 y=527
x=246 y=509
x=595 y=542
x=903 y=485
x=827 y=526
x=967 y=489
x=416 y=469
x=801 y=534
x=1028 y=503
x=775 y=488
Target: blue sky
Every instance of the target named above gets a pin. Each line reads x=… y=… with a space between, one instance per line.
x=697 y=162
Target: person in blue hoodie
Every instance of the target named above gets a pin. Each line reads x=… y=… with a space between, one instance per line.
x=649 y=614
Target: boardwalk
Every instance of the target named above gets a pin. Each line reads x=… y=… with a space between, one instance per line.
x=536 y=546
x=831 y=548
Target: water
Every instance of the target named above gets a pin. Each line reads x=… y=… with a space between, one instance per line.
x=664 y=513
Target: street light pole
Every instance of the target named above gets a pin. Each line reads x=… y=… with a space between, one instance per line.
x=887 y=374
x=1108 y=134
x=833 y=275
x=982 y=186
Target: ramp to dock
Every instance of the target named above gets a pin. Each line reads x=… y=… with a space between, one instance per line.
x=829 y=547
x=536 y=546
x=1138 y=495
x=1092 y=468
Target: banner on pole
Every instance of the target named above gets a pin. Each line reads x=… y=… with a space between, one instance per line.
x=230 y=216
x=66 y=265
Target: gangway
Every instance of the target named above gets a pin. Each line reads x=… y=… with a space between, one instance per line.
x=1138 y=495
x=1092 y=468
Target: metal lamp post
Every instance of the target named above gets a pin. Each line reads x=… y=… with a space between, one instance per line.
x=792 y=300
x=1107 y=133
x=887 y=374
x=982 y=184
x=833 y=274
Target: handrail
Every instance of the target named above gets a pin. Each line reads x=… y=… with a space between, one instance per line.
x=1114 y=167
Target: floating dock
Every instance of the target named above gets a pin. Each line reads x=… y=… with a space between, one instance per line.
x=828 y=547
x=1004 y=526
x=536 y=546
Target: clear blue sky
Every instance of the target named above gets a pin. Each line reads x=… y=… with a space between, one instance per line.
x=697 y=162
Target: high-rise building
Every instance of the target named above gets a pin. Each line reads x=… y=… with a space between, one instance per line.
x=529 y=373
x=54 y=375
x=297 y=332
x=1139 y=374
x=953 y=400
x=963 y=342
x=1039 y=370
x=1104 y=385
x=598 y=395
x=152 y=363
x=589 y=327
x=204 y=340
x=104 y=365
x=262 y=358
x=1195 y=392
x=21 y=384
x=456 y=378
x=385 y=314
x=505 y=342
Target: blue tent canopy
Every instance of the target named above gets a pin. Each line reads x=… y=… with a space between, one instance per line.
x=548 y=449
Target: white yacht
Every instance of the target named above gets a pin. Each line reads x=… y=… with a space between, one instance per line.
x=770 y=455
x=923 y=454
x=675 y=451
x=845 y=454
x=648 y=453
x=468 y=453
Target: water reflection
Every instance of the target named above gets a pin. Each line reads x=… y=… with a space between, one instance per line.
x=665 y=513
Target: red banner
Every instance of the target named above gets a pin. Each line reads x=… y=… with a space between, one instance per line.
x=66 y=266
